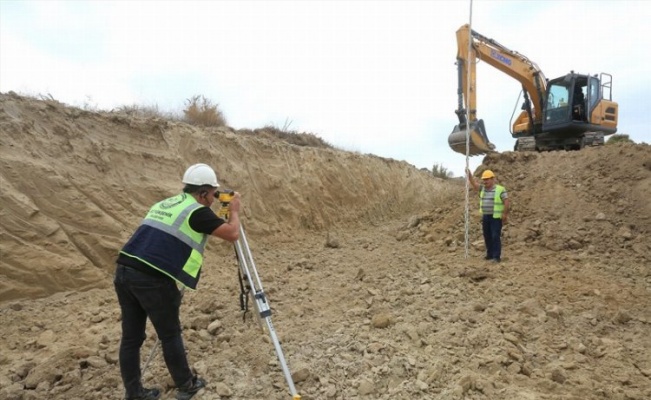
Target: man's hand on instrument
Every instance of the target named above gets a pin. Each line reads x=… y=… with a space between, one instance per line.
x=235 y=202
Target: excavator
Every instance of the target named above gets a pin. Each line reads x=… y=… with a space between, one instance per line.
x=565 y=113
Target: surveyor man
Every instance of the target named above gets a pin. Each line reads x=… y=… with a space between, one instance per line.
x=165 y=251
x=494 y=206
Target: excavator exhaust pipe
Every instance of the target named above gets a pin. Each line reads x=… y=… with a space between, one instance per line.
x=478 y=142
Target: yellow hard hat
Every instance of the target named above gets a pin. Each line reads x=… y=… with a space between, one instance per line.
x=487 y=174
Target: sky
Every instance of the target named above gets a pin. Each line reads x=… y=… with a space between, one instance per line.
x=369 y=76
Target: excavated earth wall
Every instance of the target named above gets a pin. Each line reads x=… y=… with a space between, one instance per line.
x=373 y=291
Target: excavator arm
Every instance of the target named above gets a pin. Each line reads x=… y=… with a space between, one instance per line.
x=471 y=48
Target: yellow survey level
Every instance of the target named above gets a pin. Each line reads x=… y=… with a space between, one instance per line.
x=224 y=198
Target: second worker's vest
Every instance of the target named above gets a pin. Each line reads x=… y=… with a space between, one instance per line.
x=498 y=204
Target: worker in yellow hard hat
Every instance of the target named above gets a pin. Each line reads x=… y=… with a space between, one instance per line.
x=494 y=206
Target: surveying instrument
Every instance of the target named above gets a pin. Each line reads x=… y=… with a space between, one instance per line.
x=251 y=285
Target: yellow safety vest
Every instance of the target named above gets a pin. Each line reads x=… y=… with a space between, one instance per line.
x=498 y=204
x=166 y=242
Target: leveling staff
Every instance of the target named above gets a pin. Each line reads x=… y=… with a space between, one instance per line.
x=166 y=250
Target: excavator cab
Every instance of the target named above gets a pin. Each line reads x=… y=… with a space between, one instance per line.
x=477 y=141
x=578 y=112
x=566 y=100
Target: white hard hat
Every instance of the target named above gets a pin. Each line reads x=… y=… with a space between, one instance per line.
x=199 y=175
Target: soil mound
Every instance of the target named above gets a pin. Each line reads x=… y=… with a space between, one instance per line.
x=363 y=260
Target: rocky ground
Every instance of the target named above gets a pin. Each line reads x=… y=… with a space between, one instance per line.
x=373 y=291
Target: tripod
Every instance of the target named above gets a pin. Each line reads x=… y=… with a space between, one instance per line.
x=261 y=304
x=249 y=274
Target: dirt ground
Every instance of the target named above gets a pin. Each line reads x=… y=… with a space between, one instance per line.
x=374 y=294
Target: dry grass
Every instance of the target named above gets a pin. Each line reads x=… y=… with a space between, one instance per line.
x=440 y=171
x=153 y=111
x=293 y=137
x=201 y=111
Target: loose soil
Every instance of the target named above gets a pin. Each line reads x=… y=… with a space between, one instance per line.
x=373 y=290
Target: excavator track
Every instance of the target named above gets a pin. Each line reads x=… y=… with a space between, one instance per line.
x=593 y=139
x=571 y=143
x=525 y=144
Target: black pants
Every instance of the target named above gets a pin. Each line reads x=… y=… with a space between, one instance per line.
x=140 y=296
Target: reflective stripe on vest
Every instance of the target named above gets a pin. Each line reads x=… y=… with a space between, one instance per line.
x=498 y=204
x=175 y=229
x=166 y=242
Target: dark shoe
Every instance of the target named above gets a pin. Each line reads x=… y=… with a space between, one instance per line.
x=186 y=392
x=488 y=258
x=147 y=394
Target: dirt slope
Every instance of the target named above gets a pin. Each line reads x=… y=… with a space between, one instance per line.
x=363 y=260
x=75 y=185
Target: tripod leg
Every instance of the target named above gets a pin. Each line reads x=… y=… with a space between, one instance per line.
x=262 y=308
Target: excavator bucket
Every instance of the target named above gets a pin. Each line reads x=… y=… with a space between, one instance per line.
x=478 y=142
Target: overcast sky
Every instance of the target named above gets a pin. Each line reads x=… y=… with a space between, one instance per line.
x=368 y=76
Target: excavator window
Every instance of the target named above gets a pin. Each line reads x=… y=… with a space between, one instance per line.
x=557 y=103
x=594 y=95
